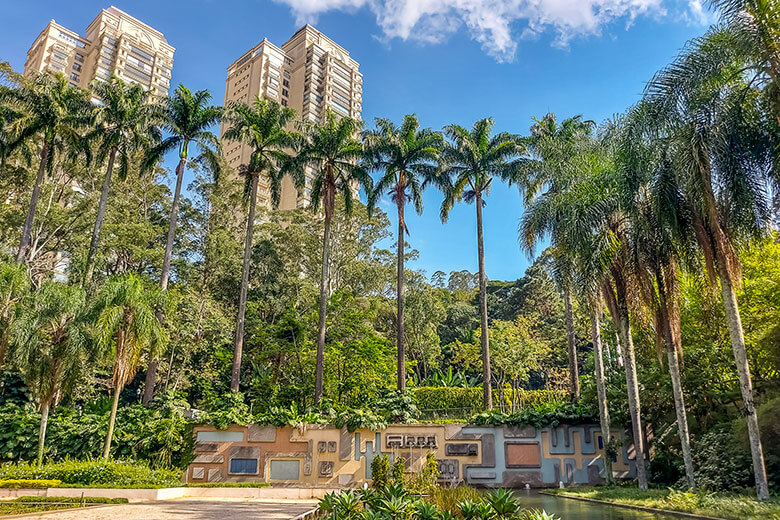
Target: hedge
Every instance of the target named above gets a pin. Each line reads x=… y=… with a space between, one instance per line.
x=99 y=473
x=29 y=484
x=458 y=402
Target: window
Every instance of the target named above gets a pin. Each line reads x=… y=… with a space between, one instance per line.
x=243 y=466
x=285 y=83
x=74 y=77
x=79 y=58
x=285 y=93
x=77 y=67
x=284 y=102
x=287 y=74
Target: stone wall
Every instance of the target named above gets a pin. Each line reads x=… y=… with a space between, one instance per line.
x=326 y=456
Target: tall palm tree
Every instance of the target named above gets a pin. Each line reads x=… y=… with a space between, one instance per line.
x=125 y=123
x=469 y=163
x=588 y=218
x=551 y=145
x=53 y=113
x=262 y=126
x=722 y=159
x=51 y=346
x=187 y=118
x=407 y=157
x=14 y=284
x=331 y=151
x=125 y=327
x=659 y=230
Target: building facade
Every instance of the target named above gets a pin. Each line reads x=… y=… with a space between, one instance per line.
x=310 y=73
x=324 y=456
x=115 y=44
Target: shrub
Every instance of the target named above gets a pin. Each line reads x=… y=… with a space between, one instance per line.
x=458 y=402
x=399 y=470
x=74 y=500
x=29 y=484
x=380 y=471
x=541 y=415
x=100 y=473
x=426 y=481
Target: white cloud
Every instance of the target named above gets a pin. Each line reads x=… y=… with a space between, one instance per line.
x=490 y=22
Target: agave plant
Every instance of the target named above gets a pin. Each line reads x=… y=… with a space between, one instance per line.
x=472 y=510
x=504 y=503
x=397 y=507
x=347 y=506
x=426 y=511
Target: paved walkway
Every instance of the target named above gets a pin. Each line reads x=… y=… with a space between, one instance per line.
x=191 y=509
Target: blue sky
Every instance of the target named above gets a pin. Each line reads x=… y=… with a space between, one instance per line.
x=448 y=61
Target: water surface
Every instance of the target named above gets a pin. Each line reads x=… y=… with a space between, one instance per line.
x=571 y=509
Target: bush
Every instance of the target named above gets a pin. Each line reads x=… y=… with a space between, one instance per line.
x=29 y=484
x=399 y=471
x=456 y=402
x=380 y=471
x=98 y=473
x=229 y=485
x=541 y=415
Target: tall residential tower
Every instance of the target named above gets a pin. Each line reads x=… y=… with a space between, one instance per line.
x=115 y=44
x=309 y=73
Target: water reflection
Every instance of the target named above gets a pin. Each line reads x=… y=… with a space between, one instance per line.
x=569 y=509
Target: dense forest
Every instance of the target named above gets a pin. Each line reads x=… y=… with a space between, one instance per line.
x=655 y=305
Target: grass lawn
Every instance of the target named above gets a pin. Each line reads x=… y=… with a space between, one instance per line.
x=719 y=505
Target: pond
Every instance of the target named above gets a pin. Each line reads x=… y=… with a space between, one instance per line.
x=571 y=509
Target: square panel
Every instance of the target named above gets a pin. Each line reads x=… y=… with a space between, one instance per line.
x=523 y=455
x=243 y=466
x=284 y=470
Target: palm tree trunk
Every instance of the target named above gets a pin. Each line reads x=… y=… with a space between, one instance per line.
x=731 y=307
x=151 y=371
x=24 y=244
x=487 y=389
x=619 y=307
x=238 y=346
x=574 y=373
x=111 y=422
x=101 y=213
x=42 y=431
x=601 y=389
x=401 y=375
x=320 y=368
x=674 y=372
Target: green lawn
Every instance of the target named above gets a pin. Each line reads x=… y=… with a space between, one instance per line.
x=719 y=505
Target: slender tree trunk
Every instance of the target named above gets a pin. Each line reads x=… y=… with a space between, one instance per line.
x=487 y=389
x=320 y=368
x=621 y=319
x=112 y=422
x=731 y=307
x=24 y=244
x=574 y=372
x=151 y=372
x=674 y=372
x=401 y=375
x=238 y=347
x=601 y=389
x=42 y=431
x=101 y=214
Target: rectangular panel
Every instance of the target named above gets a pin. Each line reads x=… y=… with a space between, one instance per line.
x=220 y=436
x=243 y=466
x=285 y=470
x=523 y=455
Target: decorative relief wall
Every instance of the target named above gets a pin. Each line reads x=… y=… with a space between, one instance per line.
x=325 y=456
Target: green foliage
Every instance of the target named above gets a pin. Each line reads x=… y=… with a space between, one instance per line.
x=357 y=419
x=380 y=471
x=75 y=500
x=705 y=503
x=29 y=484
x=228 y=484
x=229 y=408
x=398 y=471
x=463 y=402
x=425 y=481
x=549 y=414
x=94 y=473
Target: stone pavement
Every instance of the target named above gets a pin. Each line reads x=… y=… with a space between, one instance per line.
x=191 y=509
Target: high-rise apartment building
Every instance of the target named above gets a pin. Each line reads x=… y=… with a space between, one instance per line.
x=115 y=44
x=309 y=73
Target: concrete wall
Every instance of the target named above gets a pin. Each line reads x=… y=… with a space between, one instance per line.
x=323 y=456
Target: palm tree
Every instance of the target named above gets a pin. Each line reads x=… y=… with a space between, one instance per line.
x=588 y=219
x=187 y=118
x=53 y=112
x=125 y=123
x=659 y=230
x=125 y=327
x=721 y=160
x=262 y=126
x=468 y=165
x=14 y=284
x=407 y=157
x=51 y=347
x=331 y=151
x=551 y=145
